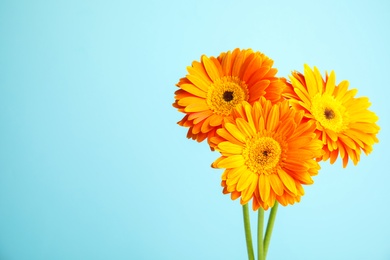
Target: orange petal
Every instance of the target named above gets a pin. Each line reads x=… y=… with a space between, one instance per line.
x=264 y=187
x=288 y=181
x=276 y=184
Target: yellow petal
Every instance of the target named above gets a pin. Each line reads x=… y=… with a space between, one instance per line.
x=235 y=132
x=227 y=136
x=215 y=163
x=350 y=93
x=342 y=89
x=245 y=180
x=231 y=181
x=228 y=147
x=193 y=90
x=244 y=127
x=360 y=137
x=320 y=84
x=300 y=90
x=198 y=79
x=331 y=83
x=311 y=82
x=248 y=192
x=232 y=161
x=210 y=67
x=235 y=172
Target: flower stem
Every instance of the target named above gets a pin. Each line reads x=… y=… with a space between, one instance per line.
x=248 y=235
x=270 y=226
x=260 y=224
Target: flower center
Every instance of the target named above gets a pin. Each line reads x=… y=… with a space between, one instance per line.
x=329 y=112
x=226 y=93
x=262 y=155
x=228 y=96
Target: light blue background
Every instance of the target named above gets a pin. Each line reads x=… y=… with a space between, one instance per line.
x=93 y=165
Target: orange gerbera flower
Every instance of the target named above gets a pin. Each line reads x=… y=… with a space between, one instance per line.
x=268 y=153
x=214 y=86
x=344 y=124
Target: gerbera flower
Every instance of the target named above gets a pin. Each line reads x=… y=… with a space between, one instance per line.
x=344 y=124
x=268 y=153
x=214 y=86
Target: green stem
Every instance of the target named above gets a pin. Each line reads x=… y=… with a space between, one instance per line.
x=270 y=226
x=248 y=235
x=260 y=224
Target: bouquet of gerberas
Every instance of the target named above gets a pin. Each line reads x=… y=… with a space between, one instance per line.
x=271 y=132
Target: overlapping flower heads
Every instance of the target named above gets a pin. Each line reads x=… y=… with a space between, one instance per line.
x=271 y=133
x=344 y=124
x=268 y=153
x=213 y=87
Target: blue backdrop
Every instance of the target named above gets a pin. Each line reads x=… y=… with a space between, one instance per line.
x=93 y=165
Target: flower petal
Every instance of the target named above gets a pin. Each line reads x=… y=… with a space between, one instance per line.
x=287 y=181
x=264 y=187
x=232 y=161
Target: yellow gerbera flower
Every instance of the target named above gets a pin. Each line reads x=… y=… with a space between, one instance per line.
x=268 y=153
x=344 y=124
x=214 y=86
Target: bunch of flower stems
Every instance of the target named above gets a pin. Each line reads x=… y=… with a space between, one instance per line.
x=263 y=240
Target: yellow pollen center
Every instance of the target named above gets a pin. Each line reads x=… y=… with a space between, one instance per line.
x=329 y=112
x=226 y=93
x=262 y=155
